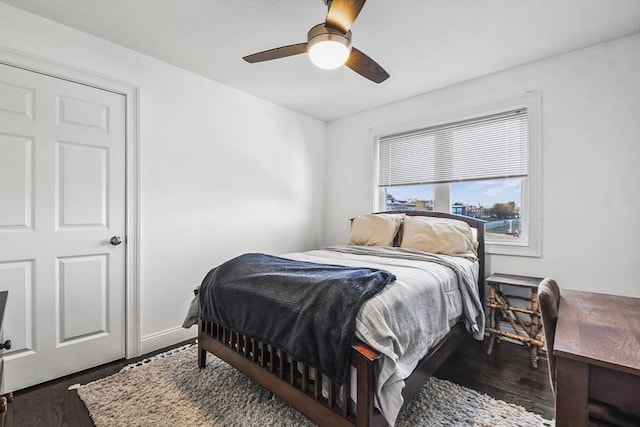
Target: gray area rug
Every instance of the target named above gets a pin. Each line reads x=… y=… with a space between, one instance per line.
x=170 y=390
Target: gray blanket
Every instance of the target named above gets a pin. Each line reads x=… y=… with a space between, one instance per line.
x=307 y=309
x=405 y=320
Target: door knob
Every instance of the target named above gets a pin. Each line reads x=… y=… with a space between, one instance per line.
x=5 y=345
x=116 y=240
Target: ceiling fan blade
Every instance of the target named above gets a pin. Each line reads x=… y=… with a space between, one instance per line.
x=278 y=52
x=366 y=67
x=342 y=13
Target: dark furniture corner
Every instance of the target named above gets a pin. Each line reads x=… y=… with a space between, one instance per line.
x=597 y=355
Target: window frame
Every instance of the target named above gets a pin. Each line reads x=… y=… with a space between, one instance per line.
x=531 y=202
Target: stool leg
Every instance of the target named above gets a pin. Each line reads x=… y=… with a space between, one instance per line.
x=492 y=319
x=492 y=340
x=533 y=355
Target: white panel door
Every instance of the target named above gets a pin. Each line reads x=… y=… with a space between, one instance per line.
x=62 y=199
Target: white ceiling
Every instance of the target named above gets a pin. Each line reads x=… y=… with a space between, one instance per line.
x=423 y=44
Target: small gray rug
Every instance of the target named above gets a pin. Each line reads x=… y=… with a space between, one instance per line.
x=170 y=390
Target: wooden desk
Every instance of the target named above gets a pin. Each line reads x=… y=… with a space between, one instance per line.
x=597 y=351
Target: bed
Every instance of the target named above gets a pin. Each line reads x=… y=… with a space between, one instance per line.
x=375 y=378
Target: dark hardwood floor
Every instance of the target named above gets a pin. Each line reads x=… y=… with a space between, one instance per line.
x=504 y=375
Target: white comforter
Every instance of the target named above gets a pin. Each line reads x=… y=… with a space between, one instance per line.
x=410 y=315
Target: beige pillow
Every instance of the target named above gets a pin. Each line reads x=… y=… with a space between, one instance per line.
x=438 y=236
x=374 y=230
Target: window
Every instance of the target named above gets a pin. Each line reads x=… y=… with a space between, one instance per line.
x=484 y=166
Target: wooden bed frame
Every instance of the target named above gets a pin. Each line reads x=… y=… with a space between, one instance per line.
x=296 y=384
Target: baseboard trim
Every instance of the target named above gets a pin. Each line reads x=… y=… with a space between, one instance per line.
x=165 y=338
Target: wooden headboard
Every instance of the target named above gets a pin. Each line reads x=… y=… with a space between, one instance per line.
x=475 y=223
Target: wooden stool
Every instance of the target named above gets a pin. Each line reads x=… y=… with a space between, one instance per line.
x=500 y=308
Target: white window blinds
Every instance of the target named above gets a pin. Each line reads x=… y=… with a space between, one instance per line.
x=488 y=147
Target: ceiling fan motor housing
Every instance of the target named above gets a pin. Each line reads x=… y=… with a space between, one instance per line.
x=321 y=32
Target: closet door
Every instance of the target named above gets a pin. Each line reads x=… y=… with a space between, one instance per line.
x=62 y=224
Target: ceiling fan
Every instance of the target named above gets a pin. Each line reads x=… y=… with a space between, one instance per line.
x=329 y=43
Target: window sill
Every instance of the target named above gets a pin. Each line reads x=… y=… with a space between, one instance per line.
x=513 y=249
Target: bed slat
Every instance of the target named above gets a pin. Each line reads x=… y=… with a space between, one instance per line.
x=305 y=378
x=331 y=401
x=263 y=354
x=345 y=398
x=283 y=357
x=272 y=359
x=254 y=350
x=317 y=384
x=292 y=372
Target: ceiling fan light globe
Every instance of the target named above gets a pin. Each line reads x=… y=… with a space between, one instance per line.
x=328 y=47
x=329 y=54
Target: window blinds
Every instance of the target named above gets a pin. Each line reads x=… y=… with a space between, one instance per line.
x=488 y=147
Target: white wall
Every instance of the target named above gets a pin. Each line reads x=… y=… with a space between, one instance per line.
x=590 y=166
x=221 y=172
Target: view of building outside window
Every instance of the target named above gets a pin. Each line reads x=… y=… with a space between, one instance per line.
x=496 y=201
x=409 y=198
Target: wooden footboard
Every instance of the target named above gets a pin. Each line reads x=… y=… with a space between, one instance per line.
x=300 y=385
